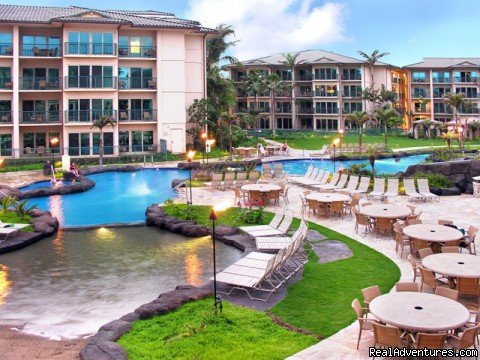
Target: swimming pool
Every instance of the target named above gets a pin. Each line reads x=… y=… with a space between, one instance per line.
x=118 y=197
x=72 y=283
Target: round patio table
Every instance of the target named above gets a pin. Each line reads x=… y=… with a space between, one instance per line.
x=432 y=233
x=385 y=214
x=454 y=264
x=415 y=311
x=260 y=187
x=328 y=197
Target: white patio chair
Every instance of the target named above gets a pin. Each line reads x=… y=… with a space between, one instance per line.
x=424 y=190
x=392 y=190
x=378 y=188
x=363 y=187
x=410 y=190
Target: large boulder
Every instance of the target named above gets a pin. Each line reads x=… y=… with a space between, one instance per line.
x=7 y=190
x=460 y=167
x=222 y=231
x=43 y=228
x=176 y=182
x=195 y=231
x=451 y=191
x=459 y=180
x=49 y=220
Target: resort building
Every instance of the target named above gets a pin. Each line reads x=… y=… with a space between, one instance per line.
x=63 y=67
x=431 y=78
x=326 y=88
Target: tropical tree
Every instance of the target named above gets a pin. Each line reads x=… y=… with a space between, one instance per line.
x=389 y=117
x=475 y=126
x=385 y=96
x=360 y=118
x=275 y=85
x=221 y=92
x=200 y=114
x=371 y=60
x=100 y=124
x=218 y=44
x=455 y=101
x=254 y=85
x=291 y=62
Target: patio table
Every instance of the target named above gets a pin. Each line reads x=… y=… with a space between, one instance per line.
x=454 y=264
x=415 y=311
x=385 y=214
x=260 y=187
x=433 y=233
x=328 y=197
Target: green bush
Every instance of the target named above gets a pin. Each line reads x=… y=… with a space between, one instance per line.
x=358 y=169
x=22 y=208
x=250 y=216
x=181 y=211
x=435 y=180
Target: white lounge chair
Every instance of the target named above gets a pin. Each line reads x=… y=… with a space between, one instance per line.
x=274 y=223
x=271 y=243
x=331 y=184
x=321 y=152
x=282 y=229
x=315 y=179
x=294 y=178
x=392 y=190
x=10 y=229
x=378 y=188
x=410 y=190
x=341 y=182
x=352 y=183
x=363 y=187
x=424 y=190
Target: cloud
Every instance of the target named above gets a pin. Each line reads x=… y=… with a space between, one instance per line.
x=265 y=27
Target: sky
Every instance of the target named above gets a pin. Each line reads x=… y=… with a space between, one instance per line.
x=408 y=29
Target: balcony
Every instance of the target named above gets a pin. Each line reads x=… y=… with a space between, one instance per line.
x=6 y=49
x=305 y=111
x=419 y=80
x=137 y=83
x=328 y=93
x=6 y=84
x=466 y=79
x=438 y=110
x=87 y=116
x=40 y=83
x=5 y=117
x=352 y=78
x=90 y=82
x=135 y=51
x=40 y=117
x=326 y=111
x=30 y=50
x=439 y=95
x=87 y=48
x=263 y=110
x=324 y=77
x=420 y=94
x=304 y=93
x=136 y=115
x=306 y=77
x=283 y=110
x=441 y=80
x=352 y=94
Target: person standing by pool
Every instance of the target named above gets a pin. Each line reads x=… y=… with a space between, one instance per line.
x=74 y=169
x=285 y=148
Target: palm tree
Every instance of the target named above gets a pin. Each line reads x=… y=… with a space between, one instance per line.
x=389 y=117
x=217 y=45
x=291 y=61
x=371 y=60
x=360 y=118
x=455 y=101
x=100 y=124
x=221 y=91
x=254 y=85
x=275 y=85
x=229 y=119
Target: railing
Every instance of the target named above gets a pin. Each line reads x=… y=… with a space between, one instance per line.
x=466 y=79
x=41 y=50
x=424 y=80
x=137 y=83
x=90 y=82
x=6 y=83
x=305 y=111
x=442 y=80
x=283 y=110
x=6 y=49
x=352 y=94
x=468 y=96
x=304 y=93
x=40 y=83
x=349 y=111
x=420 y=94
x=283 y=94
x=439 y=110
x=326 y=111
x=137 y=115
x=40 y=117
x=438 y=95
x=135 y=51
x=88 y=115
x=308 y=77
x=352 y=78
x=87 y=48
x=325 y=77
x=332 y=93
x=262 y=109
x=5 y=117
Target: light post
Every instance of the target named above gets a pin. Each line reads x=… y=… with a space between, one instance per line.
x=208 y=146
x=53 y=143
x=340 y=132
x=335 y=143
x=190 y=155
x=204 y=137
x=213 y=218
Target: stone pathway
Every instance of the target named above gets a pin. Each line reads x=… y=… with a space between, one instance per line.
x=331 y=250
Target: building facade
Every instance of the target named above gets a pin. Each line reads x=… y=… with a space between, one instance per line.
x=326 y=88
x=62 y=68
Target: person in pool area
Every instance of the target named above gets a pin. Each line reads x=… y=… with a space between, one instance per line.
x=285 y=148
x=74 y=169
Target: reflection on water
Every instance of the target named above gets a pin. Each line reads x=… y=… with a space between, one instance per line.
x=55 y=205
x=71 y=284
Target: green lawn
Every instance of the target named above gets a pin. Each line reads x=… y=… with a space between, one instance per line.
x=320 y=302
x=314 y=141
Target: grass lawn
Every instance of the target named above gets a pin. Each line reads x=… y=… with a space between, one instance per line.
x=320 y=302
x=314 y=141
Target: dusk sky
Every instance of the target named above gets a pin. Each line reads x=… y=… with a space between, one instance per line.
x=408 y=29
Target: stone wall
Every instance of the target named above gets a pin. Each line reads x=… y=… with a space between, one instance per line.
x=459 y=172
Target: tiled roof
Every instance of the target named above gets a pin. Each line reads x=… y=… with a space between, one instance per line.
x=440 y=62
x=134 y=18
x=308 y=57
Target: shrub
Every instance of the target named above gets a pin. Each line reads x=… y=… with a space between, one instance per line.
x=250 y=216
x=7 y=202
x=22 y=208
x=435 y=180
x=358 y=169
x=181 y=211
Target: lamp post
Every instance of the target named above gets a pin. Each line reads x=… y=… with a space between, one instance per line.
x=213 y=217
x=204 y=137
x=208 y=146
x=53 y=143
x=190 y=156
x=340 y=132
x=335 y=143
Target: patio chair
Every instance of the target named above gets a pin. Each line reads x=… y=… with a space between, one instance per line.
x=42 y=84
x=267 y=171
x=378 y=189
x=388 y=336
x=468 y=241
x=28 y=151
x=274 y=196
x=228 y=180
x=304 y=201
x=274 y=223
x=254 y=176
x=281 y=229
x=363 y=187
x=337 y=208
x=41 y=151
x=272 y=243
x=284 y=194
x=410 y=190
x=255 y=198
x=401 y=241
x=241 y=178
x=152 y=84
x=361 y=219
x=352 y=183
x=428 y=278
x=369 y=294
x=428 y=340
x=123 y=115
x=278 y=172
x=445 y=222
x=465 y=340
x=407 y=286
x=450 y=249
x=240 y=196
x=424 y=190
x=424 y=252
x=392 y=189
x=331 y=184
x=147 y=115
x=469 y=286
x=216 y=182
x=415 y=268
x=363 y=322
x=447 y=292
x=412 y=221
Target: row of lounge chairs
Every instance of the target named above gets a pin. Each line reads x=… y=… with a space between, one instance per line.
x=344 y=149
x=259 y=271
x=277 y=172
x=278 y=226
x=393 y=184
x=231 y=181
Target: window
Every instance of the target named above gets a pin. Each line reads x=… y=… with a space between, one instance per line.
x=438 y=92
x=283 y=107
x=135 y=78
x=136 y=46
x=107 y=143
x=326 y=108
x=40 y=45
x=242 y=106
x=285 y=74
x=240 y=76
x=5 y=111
x=441 y=77
x=86 y=76
x=470 y=92
x=90 y=43
x=306 y=123
x=86 y=110
x=468 y=108
x=466 y=76
x=419 y=92
x=284 y=123
x=352 y=91
x=326 y=124
x=135 y=109
x=326 y=90
x=34 y=140
x=440 y=108
x=6 y=47
x=305 y=74
x=352 y=74
x=264 y=123
x=418 y=76
x=420 y=107
x=326 y=74
x=350 y=107
x=263 y=106
x=5 y=78
x=5 y=144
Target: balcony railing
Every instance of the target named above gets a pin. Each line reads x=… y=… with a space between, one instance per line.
x=137 y=83
x=421 y=80
x=6 y=49
x=352 y=94
x=40 y=117
x=135 y=51
x=420 y=94
x=466 y=79
x=438 y=95
x=350 y=110
x=40 y=83
x=326 y=111
x=442 y=110
x=304 y=93
x=352 y=78
x=325 y=77
x=87 y=48
x=308 y=77
x=442 y=80
x=283 y=110
x=40 y=50
x=90 y=82
x=88 y=115
x=305 y=110
x=6 y=83
x=328 y=93
x=5 y=117
x=137 y=115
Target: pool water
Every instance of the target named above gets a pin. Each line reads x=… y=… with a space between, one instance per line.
x=71 y=284
x=118 y=197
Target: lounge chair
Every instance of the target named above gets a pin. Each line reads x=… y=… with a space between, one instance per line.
x=321 y=152
x=241 y=178
x=352 y=183
x=315 y=178
x=294 y=178
x=278 y=172
x=410 y=190
x=392 y=190
x=331 y=184
x=267 y=171
x=363 y=187
x=281 y=229
x=216 y=182
x=10 y=229
x=424 y=190
x=229 y=180
x=274 y=223
x=378 y=188
x=254 y=176
x=341 y=182
x=271 y=243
